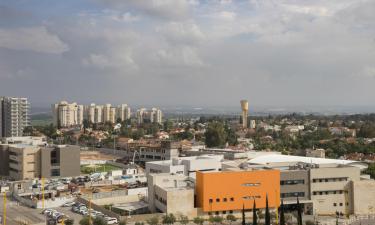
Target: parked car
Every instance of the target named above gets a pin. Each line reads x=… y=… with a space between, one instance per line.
x=111 y=220
x=69 y=204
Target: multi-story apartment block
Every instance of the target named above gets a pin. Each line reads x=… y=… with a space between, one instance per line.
x=156 y=116
x=123 y=112
x=14 y=116
x=141 y=115
x=67 y=115
x=20 y=161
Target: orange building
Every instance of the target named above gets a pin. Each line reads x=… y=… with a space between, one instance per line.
x=229 y=190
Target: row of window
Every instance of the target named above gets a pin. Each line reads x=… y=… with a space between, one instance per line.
x=218 y=212
x=292 y=182
x=340 y=204
x=336 y=179
x=292 y=194
x=231 y=199
x=160 y=199
x=328 y=192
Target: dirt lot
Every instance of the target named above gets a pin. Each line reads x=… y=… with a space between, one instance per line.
x=95 y=155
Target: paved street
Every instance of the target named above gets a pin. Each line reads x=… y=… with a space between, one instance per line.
x=17 y=213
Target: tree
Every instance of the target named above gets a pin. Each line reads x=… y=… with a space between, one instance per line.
x=211 y=220
x=282 y=216
x=243 y=215
x=198 y=220
x=255 y=219
x=184 y=220
x=152 y=221
x=215 y=135
x=122 y=222
x=84 y=221
x=231 y=218
x=69 y=222
x=299 y=211
x=139 y=223
x=169 y=219
x=218 y=219
x=267 y=220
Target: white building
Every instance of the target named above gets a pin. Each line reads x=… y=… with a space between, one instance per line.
x=123 y=112
x=156 y=116
x=186 y=165
x=14 y=116
x=140 y=115
x=67 y=115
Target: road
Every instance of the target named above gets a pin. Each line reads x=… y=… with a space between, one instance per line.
x=17 y=214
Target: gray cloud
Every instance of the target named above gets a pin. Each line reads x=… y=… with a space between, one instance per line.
x=196 y=53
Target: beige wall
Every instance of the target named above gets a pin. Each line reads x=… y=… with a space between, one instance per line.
x=25 y=163
x=364 y=196
x=325 y=201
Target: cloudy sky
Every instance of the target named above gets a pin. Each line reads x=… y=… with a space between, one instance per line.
x=189 y=52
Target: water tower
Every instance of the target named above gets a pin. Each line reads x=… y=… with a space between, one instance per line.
x=245 y=112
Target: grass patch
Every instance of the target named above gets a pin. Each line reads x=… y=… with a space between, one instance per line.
x=86 y=169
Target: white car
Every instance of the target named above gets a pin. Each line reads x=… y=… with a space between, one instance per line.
x=111 y=220
x=69 y=204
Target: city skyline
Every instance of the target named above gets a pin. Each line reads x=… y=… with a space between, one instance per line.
x=199 y=53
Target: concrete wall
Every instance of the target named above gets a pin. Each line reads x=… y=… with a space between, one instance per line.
x=294 y=175
x=4 y=159
x=364 y=196
x=70 y=161
x=326 y=202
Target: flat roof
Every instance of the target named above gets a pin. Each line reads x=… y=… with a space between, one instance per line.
x=131 y=206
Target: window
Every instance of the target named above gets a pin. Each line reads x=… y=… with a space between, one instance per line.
x=55 y=172
x=218 y=200
x=251 y=184
x=335 y=204
x=292 y=182
x=341 y=204
x=294 y=194
x=224 y=199
x=217 y=213
x=210 y=201
x=232 y=199
x=230 y=211
x=224 y=212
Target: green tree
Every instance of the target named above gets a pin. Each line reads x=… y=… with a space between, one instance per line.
x=299 y=212
x=243 y=215
x=169 y=219
x=184 y=220
x=231 y=218
x=267 y=220
x=218 y=219
x=198 y=220
x=215 y=135
x=139 y=223
x=168 y=125
x=255 y=218
x=282 y=216
x=153 y=221
x=69 y=222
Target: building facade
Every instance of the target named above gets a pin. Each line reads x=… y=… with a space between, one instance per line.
x=14 y=116
x=20 y=161
x=229 y=191
x=67 y=115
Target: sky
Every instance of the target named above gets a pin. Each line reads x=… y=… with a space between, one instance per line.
x=189 y=52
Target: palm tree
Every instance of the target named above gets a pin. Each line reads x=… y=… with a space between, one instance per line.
x=267 y=217
x=255 y=214
x=299 y=210
x=282 y=216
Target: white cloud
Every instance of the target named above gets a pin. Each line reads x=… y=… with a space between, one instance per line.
x=126 y=17
x=33 y=39
x=181 y=32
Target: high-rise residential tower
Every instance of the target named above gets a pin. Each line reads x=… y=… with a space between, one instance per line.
x=245 y=112
x=156 y=115
x=123 y=112
x=14 y=116
x=140 y=115
x=67 y=115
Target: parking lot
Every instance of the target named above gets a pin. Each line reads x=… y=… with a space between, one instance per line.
x=17 y=214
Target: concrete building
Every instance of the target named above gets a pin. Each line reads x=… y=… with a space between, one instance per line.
x=20 y=161
x=141 y=115
x=107 y=113
x=186 y=165
x=14 y=116
x=317 y=153
x=229 y=191
x=123 y=112
x=252 y=124
x=171 y=194
x=245 y=112
x=67 y=115
x=156 y=116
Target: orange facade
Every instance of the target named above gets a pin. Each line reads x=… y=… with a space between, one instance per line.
x=230 y=190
